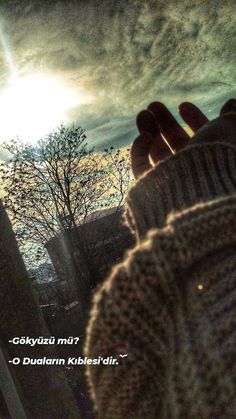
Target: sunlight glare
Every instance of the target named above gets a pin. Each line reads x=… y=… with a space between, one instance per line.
x=34 y=105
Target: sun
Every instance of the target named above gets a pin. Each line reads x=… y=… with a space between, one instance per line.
x=33 y=105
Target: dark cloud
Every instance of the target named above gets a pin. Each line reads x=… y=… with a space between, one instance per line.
x=127 y=53
x=116 y=133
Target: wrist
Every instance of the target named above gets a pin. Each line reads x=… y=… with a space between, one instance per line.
x=199 y=173
x=220 y=128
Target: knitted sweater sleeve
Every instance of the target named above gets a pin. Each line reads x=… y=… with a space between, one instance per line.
x=157 y=307
x=122 y=323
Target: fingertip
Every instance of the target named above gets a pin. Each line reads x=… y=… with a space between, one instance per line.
x=156 y=107
x=146 y=122
x=188 y=108
x=192 y=115
x=162 y=115
x=140 y=118
x=184 y=106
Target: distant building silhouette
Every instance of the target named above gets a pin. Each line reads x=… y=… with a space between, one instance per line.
x=83 y=256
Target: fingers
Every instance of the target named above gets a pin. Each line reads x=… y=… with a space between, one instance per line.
x=192 y=115
x=161 y=134
x=146 y=122
x=149 y=144
x=139 y=153
x=158 y=149
x=174 y=134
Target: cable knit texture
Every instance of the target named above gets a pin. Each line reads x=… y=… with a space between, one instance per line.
x=171 y=305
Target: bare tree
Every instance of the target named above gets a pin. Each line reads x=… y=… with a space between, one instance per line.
x=52 y=186
x=119 y=179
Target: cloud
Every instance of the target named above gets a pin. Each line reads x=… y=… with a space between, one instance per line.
x=127 y=54
x=117 y=133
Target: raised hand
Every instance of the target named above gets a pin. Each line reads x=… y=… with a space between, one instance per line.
x=161 y=135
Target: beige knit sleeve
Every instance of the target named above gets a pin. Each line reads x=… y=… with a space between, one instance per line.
x=131 y=309
x=198 y=174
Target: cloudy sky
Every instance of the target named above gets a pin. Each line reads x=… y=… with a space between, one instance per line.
x=97 y=63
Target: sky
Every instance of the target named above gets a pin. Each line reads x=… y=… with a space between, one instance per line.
x=97 y=63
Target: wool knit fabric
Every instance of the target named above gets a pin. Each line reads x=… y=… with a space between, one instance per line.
x=170 y=306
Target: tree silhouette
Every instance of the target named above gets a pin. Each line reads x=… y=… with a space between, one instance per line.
x=54 y=185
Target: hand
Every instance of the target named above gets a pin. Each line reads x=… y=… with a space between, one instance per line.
x=161 y=135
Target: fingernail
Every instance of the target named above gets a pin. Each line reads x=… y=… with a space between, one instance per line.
x=229 y=106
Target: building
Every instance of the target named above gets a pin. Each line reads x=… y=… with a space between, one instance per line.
x=83 y=256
